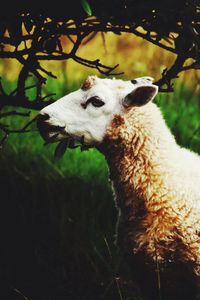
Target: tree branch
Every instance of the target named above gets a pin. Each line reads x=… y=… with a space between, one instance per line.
x=161 y=25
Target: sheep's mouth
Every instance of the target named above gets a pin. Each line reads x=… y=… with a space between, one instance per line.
x=68 y=142
x=71 y=143
x=52 y=134
x=49 y=132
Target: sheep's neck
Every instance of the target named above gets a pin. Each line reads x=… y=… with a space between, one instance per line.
x=140 y=160
x=135 y=161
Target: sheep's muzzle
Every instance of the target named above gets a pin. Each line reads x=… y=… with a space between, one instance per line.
x=51 y=134
x=48 y=131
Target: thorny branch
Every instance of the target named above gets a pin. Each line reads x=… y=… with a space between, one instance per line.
x=32 y=37
x=6 y=130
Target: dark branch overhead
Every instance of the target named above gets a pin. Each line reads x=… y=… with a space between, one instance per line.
x=171 y=25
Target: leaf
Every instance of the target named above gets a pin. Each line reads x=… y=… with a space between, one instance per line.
x=50 y=45
x=87 y=8
x=60 y=149
x=28 y=24
x=15 y=31
x=2 y=29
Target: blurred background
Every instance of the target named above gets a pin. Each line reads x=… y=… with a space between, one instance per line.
x=58 y=217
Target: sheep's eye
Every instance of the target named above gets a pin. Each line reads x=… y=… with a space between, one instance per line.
x=95 y=101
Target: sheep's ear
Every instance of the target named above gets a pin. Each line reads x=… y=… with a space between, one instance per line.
x=141 y=95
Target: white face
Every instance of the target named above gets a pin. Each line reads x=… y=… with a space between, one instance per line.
x=86 y=113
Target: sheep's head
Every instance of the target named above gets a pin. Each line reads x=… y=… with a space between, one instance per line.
x=85 y=115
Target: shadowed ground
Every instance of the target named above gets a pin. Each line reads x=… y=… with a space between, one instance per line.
x=57 y=219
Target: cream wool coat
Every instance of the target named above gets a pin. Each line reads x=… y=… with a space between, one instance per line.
x=156 y=182
x=157 y=187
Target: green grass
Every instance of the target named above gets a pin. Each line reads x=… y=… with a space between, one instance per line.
x=58 y=217
x=181 y=112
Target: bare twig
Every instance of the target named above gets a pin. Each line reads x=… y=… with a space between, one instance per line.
x=21 y=294
x=14 y=113
x=47 y=96
x=26 y=88
x=44 y=42
x=170 y=74
x=23 y=102
x=7 y=131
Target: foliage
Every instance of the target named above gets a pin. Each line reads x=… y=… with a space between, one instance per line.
x=32 y=34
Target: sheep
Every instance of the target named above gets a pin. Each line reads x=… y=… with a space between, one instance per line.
x=155 y=181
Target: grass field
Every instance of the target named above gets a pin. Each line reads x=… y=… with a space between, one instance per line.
x=58 y=218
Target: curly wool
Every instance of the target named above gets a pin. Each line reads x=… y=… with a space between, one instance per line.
x=157 y=188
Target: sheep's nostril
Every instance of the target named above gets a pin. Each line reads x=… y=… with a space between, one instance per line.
x=41 y=121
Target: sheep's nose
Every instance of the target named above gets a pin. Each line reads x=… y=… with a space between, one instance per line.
x=46 y=127
x=42 y=123
x=43 y=117
x=42 y=120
